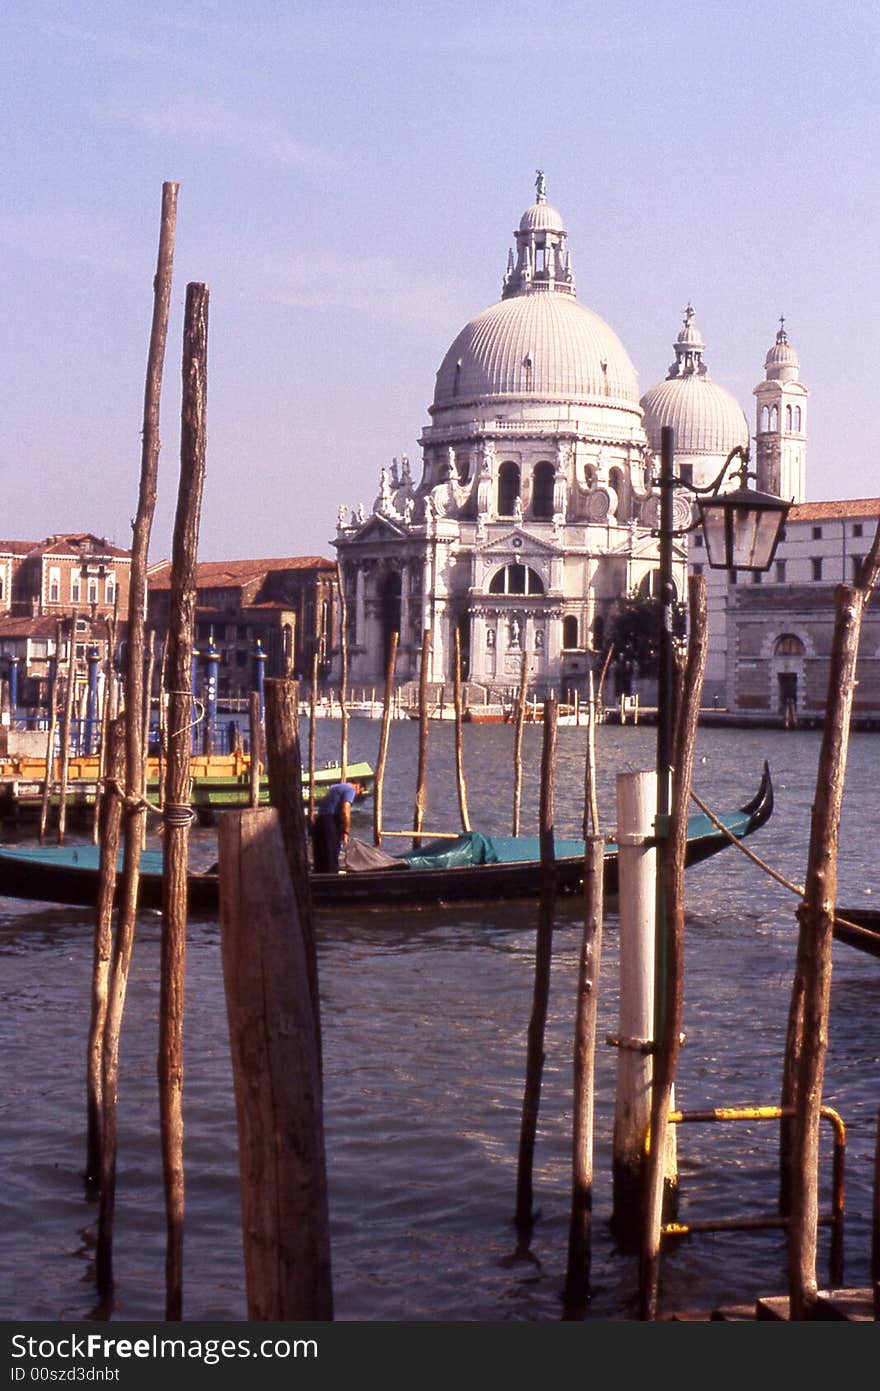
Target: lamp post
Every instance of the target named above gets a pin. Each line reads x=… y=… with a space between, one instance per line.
x=741 y=529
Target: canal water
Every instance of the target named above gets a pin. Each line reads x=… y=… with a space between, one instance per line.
x=425 y=1015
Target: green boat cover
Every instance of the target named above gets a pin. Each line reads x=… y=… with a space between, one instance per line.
x=474 y=848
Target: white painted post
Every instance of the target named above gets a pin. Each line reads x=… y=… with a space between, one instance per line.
x=637 y=889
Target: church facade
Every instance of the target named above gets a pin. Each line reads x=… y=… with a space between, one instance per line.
x=535 y=507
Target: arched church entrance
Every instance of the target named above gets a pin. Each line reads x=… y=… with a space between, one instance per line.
x=390 y=610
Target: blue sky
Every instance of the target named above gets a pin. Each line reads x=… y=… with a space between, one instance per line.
x=350 y=177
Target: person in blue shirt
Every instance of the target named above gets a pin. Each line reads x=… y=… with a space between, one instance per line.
x=331 y=826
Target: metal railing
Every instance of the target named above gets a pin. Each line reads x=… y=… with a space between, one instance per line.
x=833 y=1219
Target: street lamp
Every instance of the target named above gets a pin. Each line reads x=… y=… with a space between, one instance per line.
x=741 y=529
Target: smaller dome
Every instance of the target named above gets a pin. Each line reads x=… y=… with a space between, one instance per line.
x=706 y=419
x=541 y=217
x=782 y=362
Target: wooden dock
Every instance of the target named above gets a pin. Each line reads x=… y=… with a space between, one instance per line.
x=843 y=1305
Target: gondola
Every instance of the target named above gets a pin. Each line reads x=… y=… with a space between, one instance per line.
x=858 y=927
x=472 y=868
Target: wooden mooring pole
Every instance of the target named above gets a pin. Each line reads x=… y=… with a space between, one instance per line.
x=459 y=753
x=343 y=676
x=274 y=1036
x=177 y=809
x=577 y=1283
x=134 y=812
x=382 y=757
x=105 y=725
x=811 y=992
x=518 y=740
x=422 y=776
x=111 y=819
x=313 y=731
x=585 y=1016
x=541 y=992
x=284 y=768
x=669 y=970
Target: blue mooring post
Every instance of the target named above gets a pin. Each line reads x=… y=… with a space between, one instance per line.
x=13 y=688
x=212 y=667
x=94 y=660
x=195 y=692
x=260 y=677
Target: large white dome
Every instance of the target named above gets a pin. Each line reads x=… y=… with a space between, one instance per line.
x=540 y=345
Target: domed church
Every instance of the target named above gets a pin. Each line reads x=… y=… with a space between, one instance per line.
x=534 y=508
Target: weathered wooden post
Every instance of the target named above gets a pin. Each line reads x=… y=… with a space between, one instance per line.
x=111 y=818
x=284 y=768
x=105 y=725
x=343 y=675
x=177 y=812
x=422 y=776
x=577 y=1284
x=313 y=732
x=541 y=992
x=134 y=814
x=379 y=780
x=669 y=970
x=459 y=758
x=519 y=720
x=811 y=993
x=276 y=1069
x=637 y=902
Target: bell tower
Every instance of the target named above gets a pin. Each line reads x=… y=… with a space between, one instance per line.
x=781 y=423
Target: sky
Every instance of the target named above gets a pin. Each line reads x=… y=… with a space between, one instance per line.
x=350 y=175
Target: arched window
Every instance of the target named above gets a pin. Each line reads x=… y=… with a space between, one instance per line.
x=774 y=417
x=508 y=488
x=789 y=645
x=797 y=418
x=765 y=418
x=788 y=418
x=649 y=586
x=516 y=579
x=569 y=631
x=542 y=492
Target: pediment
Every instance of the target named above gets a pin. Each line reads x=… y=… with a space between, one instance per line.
x=519 y=541
x=378 y=528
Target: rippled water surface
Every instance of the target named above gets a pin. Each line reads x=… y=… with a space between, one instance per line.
x=424 y=1020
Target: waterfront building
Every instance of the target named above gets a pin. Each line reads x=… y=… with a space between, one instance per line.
x=72 y=576
x=780 y=625
x=288 y=606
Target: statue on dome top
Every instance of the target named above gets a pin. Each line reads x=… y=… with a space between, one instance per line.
x=540 y=186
